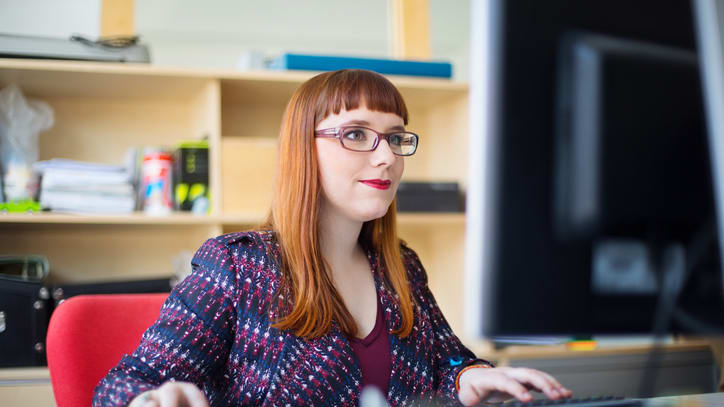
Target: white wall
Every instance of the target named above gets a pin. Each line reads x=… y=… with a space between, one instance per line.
x=50 y=18
x=214 y=33
x=189 y=32
x=450 y=34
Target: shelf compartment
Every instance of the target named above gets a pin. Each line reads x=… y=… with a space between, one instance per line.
x=276 y=86
x=104 y=252
x=441 y=248
x=101 y=80
x=248 y=166
x=442 y=153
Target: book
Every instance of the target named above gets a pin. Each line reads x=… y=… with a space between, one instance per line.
x=87 y=202
x=75 y=186
x=307 y=62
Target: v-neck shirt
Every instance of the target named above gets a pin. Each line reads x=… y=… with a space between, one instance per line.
x=373 y=354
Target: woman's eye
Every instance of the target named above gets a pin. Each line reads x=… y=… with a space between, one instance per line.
x=395 y=139
x=355 y=135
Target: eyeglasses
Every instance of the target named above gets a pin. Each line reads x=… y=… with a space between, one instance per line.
x=358 y=138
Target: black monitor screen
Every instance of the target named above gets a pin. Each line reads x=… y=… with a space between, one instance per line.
x=598 y=178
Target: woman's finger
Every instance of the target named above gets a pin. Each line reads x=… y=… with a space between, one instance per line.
x=558 y=385
x=472 y=394
x=511 y=386
x=537 y=380
x=194 y=396
x=169 y=395
x=142 y=399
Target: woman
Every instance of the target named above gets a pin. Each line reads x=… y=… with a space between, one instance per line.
x=323 y=299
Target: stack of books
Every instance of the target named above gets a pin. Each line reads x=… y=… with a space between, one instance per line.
x=74 y=186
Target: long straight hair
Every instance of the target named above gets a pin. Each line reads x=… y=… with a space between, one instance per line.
x=309 y=301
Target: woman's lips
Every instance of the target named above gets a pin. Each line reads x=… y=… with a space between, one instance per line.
x=377 y=183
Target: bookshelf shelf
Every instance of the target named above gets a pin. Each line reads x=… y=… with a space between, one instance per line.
x=187 y=219
x=130 y=219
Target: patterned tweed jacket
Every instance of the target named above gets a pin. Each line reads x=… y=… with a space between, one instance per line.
x=215 y=331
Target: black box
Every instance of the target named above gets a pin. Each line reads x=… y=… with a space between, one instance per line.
x=26 y=305
x=429 y=197
x=25 y=309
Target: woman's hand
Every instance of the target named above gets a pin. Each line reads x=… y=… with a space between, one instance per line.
x=496 y=385
x=171 y=394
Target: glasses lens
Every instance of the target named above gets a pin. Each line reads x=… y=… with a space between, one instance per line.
x=358 y=139
x=403 y=143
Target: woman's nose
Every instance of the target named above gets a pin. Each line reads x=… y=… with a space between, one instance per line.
x=383 y=154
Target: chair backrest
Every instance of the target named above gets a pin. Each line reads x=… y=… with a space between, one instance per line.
x=88 y=335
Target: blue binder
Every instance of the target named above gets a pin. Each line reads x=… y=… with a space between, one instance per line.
x=383 y=66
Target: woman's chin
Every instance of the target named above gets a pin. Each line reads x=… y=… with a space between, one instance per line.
x=372 y=215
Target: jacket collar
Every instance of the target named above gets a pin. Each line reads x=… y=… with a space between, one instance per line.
x=393 y=320
x=388 y=297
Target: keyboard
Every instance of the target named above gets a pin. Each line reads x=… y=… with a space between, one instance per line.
x=597 y=401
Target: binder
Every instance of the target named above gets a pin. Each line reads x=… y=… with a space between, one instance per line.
x=384 y=66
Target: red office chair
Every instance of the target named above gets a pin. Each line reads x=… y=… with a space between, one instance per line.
x=88 y=335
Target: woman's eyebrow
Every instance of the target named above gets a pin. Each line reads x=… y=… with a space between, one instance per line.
x=366 y=123
x=360 y=122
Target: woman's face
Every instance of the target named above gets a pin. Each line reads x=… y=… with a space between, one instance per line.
x=359 y=185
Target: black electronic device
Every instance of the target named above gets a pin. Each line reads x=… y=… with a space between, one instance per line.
x=429 y=197
x=191 y=177
x=25 y=309
x=591 y=203
x=110 y=49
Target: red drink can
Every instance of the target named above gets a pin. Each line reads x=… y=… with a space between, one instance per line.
x=157 y=181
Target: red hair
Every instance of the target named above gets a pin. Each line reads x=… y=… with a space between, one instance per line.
x=309 y=300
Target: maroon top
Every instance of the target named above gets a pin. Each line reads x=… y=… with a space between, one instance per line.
x=373 y=354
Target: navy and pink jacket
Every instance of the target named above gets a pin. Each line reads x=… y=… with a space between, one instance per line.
x=215 y=331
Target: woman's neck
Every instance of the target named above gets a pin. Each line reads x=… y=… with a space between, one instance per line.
x=339 y=238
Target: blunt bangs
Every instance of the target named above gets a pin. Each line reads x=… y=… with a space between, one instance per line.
x=348 y=89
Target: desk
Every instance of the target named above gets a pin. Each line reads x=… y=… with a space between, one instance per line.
x=31 y=386
x=682 y=368
x=694 y=400
x=36 y=391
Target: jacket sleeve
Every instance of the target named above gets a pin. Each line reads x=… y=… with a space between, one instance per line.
x=191 y=338
x=450 y=355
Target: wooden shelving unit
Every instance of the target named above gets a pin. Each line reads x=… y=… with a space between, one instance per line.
x=103 y=109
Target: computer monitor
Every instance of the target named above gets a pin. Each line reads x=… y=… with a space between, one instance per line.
x=590 y=197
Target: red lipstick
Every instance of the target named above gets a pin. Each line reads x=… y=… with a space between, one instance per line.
x=377 y=183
